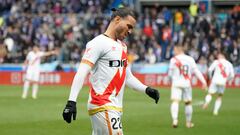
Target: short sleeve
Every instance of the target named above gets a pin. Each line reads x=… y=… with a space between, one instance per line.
x=93 y=52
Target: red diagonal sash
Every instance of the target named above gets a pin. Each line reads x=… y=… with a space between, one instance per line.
x=34 y=61
x=179 y=65
x=115 y=84
x=220 y=65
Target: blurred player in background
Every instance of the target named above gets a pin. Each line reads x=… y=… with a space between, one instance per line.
x=180 y=70
x=106 y=58
x=221 y=71
x=32 y=67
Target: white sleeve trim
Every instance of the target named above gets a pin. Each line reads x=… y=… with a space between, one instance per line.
x=78 y=81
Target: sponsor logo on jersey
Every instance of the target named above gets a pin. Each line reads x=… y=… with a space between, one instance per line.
x=118 y=63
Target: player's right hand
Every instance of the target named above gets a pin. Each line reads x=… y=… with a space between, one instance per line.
x=70 y=111
x=153 y=93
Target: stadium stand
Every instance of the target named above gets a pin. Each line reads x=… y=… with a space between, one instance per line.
x=69 y=24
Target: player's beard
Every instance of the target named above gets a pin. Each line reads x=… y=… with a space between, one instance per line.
x=120 y=34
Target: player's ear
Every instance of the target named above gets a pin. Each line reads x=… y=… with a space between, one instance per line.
x=117 y=19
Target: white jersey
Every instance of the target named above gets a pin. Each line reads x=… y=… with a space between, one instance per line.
x=180 y=69
x=108 y=74
x=34 y=61
x=223 y=71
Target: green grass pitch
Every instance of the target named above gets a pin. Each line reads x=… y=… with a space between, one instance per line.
x=141 y=116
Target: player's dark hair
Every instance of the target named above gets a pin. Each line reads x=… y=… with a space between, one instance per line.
x=36 y=45
x=123 y=12
x=222 y=52
x=178 y=45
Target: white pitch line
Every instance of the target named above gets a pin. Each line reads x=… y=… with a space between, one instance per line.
x=198 y=103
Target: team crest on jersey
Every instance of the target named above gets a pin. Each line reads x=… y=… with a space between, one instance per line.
x=86 y=53
x=124 y=46
x=113 y=48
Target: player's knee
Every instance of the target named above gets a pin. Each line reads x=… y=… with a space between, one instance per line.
x=219 y=98
x=175 y=101
x=220 y=95
x=211 y=94
x=188 y=102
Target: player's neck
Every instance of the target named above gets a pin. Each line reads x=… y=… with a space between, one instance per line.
x=179 y=53
x=110 y=33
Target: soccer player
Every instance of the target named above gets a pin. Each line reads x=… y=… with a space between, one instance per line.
x=180 y=70
x=106 y=58
x=222 y=71
x=32 y=66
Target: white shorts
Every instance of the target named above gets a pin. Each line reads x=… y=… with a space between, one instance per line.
x=107 y=123
x=214 y=88
x=33 y=75
x=181 y=93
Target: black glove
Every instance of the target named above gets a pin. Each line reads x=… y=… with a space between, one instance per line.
x=70 y=111
x=153 y=93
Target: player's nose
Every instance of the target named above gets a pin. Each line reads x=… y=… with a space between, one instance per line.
x=129 y=31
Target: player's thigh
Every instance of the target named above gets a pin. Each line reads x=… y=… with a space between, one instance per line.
x=36 y=76
x=107 y=123
x=212 y=88
x=176 y=93
x=220 y=89
x=29 y=75
x=187 y=94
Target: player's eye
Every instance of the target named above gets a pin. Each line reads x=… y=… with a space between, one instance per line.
x=129 y=26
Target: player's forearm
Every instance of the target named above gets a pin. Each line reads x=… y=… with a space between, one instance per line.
x=25 y=64
x=200 y=76
x=49 y=53
x=232 y=73
x=78 y=81
x=212 y=67
x=231 y=76
x=134 y=83
x=170 y=73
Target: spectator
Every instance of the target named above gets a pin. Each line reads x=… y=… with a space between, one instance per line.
x=150 y=57
x=193 y=9
x=70 y=24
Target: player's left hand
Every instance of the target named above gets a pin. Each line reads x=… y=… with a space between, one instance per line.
x=204 y=87
x=153 y=93
x=70 y=111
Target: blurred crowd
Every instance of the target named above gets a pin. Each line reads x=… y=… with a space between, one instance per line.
x=202 y=35
x=66 y=25
x=69 y=24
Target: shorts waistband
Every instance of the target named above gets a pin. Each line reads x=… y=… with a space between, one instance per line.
x=103 y=108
